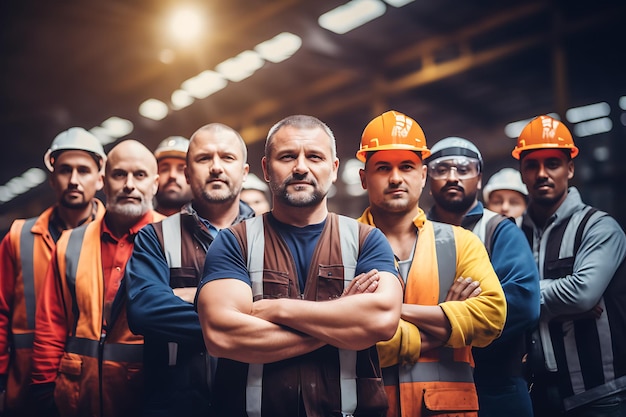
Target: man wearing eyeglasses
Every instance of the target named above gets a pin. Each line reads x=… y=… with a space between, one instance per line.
x=455 y=172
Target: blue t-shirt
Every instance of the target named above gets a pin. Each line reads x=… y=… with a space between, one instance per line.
x=225 y=260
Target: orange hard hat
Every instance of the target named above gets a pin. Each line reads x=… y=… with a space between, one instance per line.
x=544 y=132
x=392 y=130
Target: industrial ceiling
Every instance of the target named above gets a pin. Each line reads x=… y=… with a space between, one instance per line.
x=459 y=68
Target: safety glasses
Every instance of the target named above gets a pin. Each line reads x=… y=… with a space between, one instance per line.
x=464 y=167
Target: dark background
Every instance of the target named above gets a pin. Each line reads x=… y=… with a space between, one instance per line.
x=459 y=68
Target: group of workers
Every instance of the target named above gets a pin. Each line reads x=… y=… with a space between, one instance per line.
x=188 y=294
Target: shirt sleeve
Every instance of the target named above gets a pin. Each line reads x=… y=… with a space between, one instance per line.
x=602 y=250
x=153 y=309
x=376 y=253
x=514 y=264
x=50 y=326
x=479 y=320
x=224 y=259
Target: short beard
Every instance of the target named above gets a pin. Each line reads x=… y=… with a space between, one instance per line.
x=456 y=206
x=307 y=200
x=208 y=198
x=129 y=210
x=172 y=203
x=74 y=206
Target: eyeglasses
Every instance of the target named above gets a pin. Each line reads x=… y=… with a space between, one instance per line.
x=464 y=167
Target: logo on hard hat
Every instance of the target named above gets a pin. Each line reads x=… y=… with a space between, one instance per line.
x=549 y=128
x=402 y=127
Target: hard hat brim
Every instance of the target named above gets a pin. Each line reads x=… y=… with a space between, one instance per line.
x=517 y=151
x=171 y=154
x=361 y=154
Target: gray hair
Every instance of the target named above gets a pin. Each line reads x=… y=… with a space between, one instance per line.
x=218 y=127
x=301 y=121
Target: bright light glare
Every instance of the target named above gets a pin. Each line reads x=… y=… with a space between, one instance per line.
x=118 y=127
x=398 y=3
x=593 y=127
x=622 y=102
x=19 y=185
x=280 y=47
x=351 y=15
x=204 y=84
x=588 y=112
x=181 y=99
x=241 y=66
x=185 y=24
x=153 y=109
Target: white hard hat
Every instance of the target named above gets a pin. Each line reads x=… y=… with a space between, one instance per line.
x=172 y=147
x=253 y=182
x=505 y=179
x=454 y=146
x=75 y=138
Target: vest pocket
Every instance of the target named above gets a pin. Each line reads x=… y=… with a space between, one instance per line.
x=275 y=284
x=330 y=282
x=559 y=268
x=450 y=399
x=68 y=387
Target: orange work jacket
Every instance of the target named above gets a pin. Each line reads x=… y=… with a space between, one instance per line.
x=25 y=255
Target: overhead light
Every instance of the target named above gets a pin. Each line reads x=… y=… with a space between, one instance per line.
x=588 y=112
x=185 y=24
x=622 y=102
x=351 y=15
x=398 y=3
x=19 y=185
x=118 y=127
x=204 y=84
x=513 y=129
x=241 y=66
x=181 y=99
x=279 y=48
x=593 y=127
x=102 y=134
x=153 y=109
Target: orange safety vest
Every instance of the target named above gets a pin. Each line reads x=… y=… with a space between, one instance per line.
x=33 y=246
x=441 y=382
x=100 y=372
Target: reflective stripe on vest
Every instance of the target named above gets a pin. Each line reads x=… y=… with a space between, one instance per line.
x=349 y=233
x=171 y=240
x=172 y=247
x=446 y=369
x=115 y=352
x=27 y=247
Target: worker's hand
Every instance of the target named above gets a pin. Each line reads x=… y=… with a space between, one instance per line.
x=595 y=313
x=363 y=283
x=462 y=289
x=187 y=294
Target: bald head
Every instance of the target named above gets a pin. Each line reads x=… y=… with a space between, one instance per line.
x=131 y=179
x=131 y=149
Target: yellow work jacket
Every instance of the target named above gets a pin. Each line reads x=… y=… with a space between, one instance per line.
x=440 y=382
